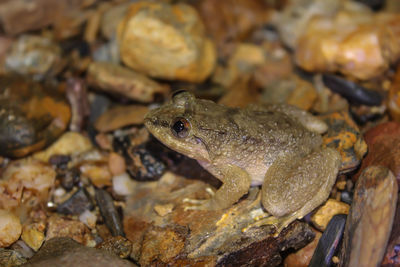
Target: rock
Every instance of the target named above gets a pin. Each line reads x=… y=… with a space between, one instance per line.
x=370 y=219
x=63 y=251
x=76 y=91
x=62 y=227
x=329 y=242
x=117 y=245
x=351 y=91
x=393 y=101
x=69 y=178
x=69 y=143
x=324 y=214
x=33 y=236
x=11 y=258
x=176 y=49
x=25 y=184
x=383 y=143
x=97 y=171
x=121 y=116
x=123 y=184
x=392 y=255
x=349 y=42
x=33 y=115
x=115 y=79
x=109 y=212
x=77 y=203
x=10 y=228
x=226 y=23
x=34 y=55
x=302 y=257
x=111 y=18
x=116 y=164
x=217 y=238
x=88 y=218
x=344 y=135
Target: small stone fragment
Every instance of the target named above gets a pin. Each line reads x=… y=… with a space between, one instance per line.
x=123 y=185
x=62 y=251
x=329 y=242
x=163 y=210
x=109 y=212
x=324 y=214
x=383 y=148
x=98 y=173
x=34 y=55
x=116 y=164
x=69 y=143
x=370 y=219
x=344 y=135
x=63 y=227
x=117 y=245
x=166 y=41
x=11 y=258
x=32 y=236
x=10 y=228
x=77 y=203
x=115 y=79
x=120 y=116
x=302 y=257
x=88 y=218
x=111 y=18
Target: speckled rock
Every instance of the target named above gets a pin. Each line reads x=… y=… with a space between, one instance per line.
x=64 y=251
x=325 y=213
x=177 y=47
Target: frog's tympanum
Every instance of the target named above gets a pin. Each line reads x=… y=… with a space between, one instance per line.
x=276 y=146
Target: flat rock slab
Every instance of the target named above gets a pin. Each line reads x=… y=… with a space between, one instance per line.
x=162 y=232
x=62 y=251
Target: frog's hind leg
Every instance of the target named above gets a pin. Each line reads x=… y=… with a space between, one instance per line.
x=294 y=187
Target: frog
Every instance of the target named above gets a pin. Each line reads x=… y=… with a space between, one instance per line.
x=277 y=147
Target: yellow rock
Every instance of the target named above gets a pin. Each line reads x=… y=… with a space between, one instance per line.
x=68 y=144
x=166 y=41
x=32 y=237
x=10 y=228
x=325 y=213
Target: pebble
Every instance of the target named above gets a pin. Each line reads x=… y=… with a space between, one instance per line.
x=70 y=143
x=120 y=116
x=88 y=218
x=392 y=255
x=302 y=257
x=370 y=220
x=353 y=92
x=115 y=79
x=393 y=101
x=79 y=202
x=166 y=41
x=109 y=212
x=11 y=258
x=58 y=226
x=383 y=148
x=69 y=178
x=34 y=55
x=117 y=245
x=329 y=242
x=324 y=214
x=62 y=251
x=123 y=184
x=10 y=228
x=33 y=236
x=116 y=164
x=98 y=172
x=32 y=115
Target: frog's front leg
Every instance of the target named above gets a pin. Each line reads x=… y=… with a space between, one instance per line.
x=236 y=183
x=294 y=187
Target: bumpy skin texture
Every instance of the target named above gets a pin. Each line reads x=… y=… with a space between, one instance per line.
x=276 y=146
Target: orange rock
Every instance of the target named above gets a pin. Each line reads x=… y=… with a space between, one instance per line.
x=302 y=257
x=116 y=164
x=166 y=41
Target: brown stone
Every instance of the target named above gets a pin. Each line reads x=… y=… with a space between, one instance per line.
x=383 y=148
x=392 y=255
x=115 y=79
x=62 y=251
x=166 y=41
x=393 y=100
x=325 y=213
x=370 y=219
x=121 y=116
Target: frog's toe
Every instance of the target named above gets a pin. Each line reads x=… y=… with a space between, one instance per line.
x=279 y=223
x=198 y=204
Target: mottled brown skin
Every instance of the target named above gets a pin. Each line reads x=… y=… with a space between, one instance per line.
x=276 y=146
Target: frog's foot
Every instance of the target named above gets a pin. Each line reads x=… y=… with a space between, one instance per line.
x=279 y=223
x=199 y=204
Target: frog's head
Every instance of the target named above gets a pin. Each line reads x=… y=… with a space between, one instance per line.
x=175 y=125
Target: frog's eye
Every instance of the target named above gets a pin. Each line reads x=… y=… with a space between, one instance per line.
x=180 y=127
